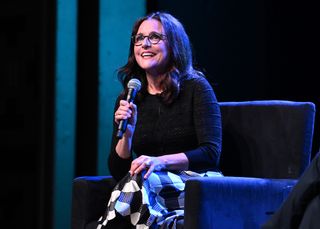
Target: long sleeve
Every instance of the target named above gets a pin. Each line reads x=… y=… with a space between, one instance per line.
x=118 y=166
x=192 y=125
x=207 y=121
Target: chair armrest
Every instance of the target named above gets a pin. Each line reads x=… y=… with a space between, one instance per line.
x=89 y=199
x=233 y=202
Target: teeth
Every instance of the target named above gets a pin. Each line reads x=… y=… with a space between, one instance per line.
x=147 y=54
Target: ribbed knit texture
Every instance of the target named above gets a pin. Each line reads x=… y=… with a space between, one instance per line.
x=192 y=124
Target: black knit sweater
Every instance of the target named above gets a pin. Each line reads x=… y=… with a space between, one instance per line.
x=192 y=124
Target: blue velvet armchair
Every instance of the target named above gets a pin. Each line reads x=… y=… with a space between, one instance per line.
x=266 y=147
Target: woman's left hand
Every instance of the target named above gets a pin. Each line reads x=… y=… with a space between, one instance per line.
x=147 y=163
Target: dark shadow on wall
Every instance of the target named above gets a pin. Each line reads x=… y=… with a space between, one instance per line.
x=248 y=49
x=26 y=108
x=254 y=50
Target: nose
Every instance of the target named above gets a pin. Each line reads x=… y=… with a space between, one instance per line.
x=146 y=42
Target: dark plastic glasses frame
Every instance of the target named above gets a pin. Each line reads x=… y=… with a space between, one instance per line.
x=158 y=37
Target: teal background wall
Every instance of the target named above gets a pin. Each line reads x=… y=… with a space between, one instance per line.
x=58 y=82
x=115 y=24
x=116 y=21
x=65 y=111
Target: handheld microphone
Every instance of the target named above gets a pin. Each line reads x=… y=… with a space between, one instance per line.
x=134 y=86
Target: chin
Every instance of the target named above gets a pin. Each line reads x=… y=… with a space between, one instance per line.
x=148 y=67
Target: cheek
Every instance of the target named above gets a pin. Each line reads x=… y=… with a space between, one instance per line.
x=165 y=55
x=165 y=51
x=136 y=54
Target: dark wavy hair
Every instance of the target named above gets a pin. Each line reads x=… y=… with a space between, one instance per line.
x=180 y=63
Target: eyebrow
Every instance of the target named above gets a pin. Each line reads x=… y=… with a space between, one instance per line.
x=150 y=33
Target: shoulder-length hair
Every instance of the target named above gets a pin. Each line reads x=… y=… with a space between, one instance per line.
x=180 y=64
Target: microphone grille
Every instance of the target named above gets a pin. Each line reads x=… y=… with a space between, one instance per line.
x=134 y=84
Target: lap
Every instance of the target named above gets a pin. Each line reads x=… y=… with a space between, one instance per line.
x=154 y=202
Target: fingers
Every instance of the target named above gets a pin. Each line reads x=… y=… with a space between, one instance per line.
x=124 y=111
x=140 y=164
x=149 y=171
x=133 y=108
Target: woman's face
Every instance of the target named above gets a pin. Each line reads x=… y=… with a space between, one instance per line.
x=153 y=58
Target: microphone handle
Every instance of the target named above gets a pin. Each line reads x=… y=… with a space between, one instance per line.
x=123 y=123
x=122 y=128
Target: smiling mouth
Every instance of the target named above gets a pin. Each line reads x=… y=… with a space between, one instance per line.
x=147 y=54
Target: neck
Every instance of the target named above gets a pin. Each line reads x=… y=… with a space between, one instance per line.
x=154 y=84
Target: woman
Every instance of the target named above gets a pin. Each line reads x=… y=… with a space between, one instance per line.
x=174 y=126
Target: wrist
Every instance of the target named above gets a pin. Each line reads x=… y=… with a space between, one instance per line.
x=123 y=147
x=164 y=163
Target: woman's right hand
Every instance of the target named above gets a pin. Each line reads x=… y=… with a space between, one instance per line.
x=128 y=111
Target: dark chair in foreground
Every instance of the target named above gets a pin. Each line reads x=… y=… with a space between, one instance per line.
x=266 y=147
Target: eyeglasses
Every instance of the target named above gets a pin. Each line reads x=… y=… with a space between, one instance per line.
x=154 y=38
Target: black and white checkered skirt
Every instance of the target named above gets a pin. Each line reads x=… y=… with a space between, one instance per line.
x=156 y=202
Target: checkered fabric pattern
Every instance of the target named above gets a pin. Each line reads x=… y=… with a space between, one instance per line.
x=157 y=202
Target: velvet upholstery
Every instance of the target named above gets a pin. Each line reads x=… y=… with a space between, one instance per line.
x=233 y=202
x=89 y=199
x=266 y=146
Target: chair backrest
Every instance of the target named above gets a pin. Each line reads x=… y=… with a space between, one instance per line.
x=267 y=138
